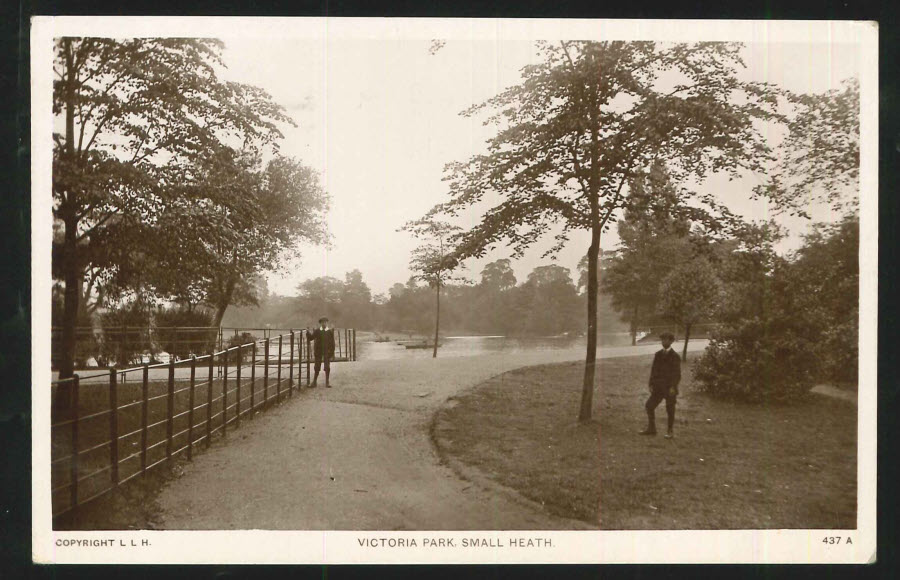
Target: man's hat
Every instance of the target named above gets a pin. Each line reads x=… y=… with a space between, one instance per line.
x=668 y=335
x=323 y=319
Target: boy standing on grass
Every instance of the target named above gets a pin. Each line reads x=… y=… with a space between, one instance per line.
x=664 y=378
x=324 y=349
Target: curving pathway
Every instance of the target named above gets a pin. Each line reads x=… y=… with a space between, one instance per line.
x=357 y=457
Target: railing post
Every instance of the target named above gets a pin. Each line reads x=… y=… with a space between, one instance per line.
x=291 y=368
x=278 y=384
x=124 y=345
x=114 y=427
x=308 y=356
x=170 y=407
x=240 y=361
x=224 y=390
x=252 y=378
x=209 y=386
x=145 y=400
x=73 y=467
x=190 y=449
x=354 y=345
x=266 y=375
x=221 y=345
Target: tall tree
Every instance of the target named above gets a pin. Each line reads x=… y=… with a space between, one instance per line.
x=356 y=300
x=551 y=299
x=320 y=297
x=134 y=114
x=746 y=263
x=432 y=261
x=653 y=240
x=824 y=279
x=493 y=310
x=590 y=117
x=235 y=221
x=689 y=294
x=498 y=275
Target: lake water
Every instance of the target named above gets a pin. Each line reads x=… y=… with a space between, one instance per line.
x=451 y=347
x=461 y=346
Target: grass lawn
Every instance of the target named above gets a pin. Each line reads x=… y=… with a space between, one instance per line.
x=731 y=466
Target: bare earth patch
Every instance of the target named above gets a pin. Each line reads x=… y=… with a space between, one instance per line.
x=731 y=466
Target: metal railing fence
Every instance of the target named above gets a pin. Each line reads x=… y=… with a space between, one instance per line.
x=111 y=426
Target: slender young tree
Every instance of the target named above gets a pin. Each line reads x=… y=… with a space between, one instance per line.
x=433 y=261
x=583 y=122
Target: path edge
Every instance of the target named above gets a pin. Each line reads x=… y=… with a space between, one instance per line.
x=476 y=476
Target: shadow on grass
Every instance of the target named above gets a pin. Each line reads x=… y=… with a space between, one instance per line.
x=731 y=466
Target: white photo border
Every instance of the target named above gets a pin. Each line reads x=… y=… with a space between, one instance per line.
x=333 y=547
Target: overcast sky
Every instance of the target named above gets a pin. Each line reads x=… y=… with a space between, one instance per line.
x=380 y=118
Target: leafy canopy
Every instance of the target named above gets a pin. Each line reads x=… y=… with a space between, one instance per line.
x=593 y=115
x=818 y=162
x=133 y=118
x=432 y=261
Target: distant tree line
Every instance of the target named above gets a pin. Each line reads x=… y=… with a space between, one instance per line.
x=546 y=303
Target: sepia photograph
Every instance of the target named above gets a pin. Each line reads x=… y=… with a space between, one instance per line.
x=399 y=290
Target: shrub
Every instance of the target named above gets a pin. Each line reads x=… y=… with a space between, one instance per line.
x=86 y=344
x=757 y=361
x=241 y=339
x=840 y=347
x=184 y=332
x=125 y=334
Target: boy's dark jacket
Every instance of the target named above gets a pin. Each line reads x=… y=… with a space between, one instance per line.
x=666 y=371
x=322 y=337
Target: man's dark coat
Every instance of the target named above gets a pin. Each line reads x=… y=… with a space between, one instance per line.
x=666 y=371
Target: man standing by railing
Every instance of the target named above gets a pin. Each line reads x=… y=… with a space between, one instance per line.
x=324 y=349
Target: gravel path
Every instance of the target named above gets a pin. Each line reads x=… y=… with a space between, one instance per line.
x=357 y=457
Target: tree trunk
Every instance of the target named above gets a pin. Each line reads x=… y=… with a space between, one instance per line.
x=70 y=244
x=634 y=325
x=437 y=319
x=687 y=337
x=590 y=361
x=70 y=304
x=221 y=306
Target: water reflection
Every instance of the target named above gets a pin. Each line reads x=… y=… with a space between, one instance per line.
x=461 y=346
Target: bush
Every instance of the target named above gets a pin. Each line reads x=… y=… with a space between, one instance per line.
x=241 y=339
x=125 y=335
x=840 y=347
x=184 y=332
x=757 y=361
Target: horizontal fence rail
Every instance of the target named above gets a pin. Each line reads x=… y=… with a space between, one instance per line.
x=113 y=425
